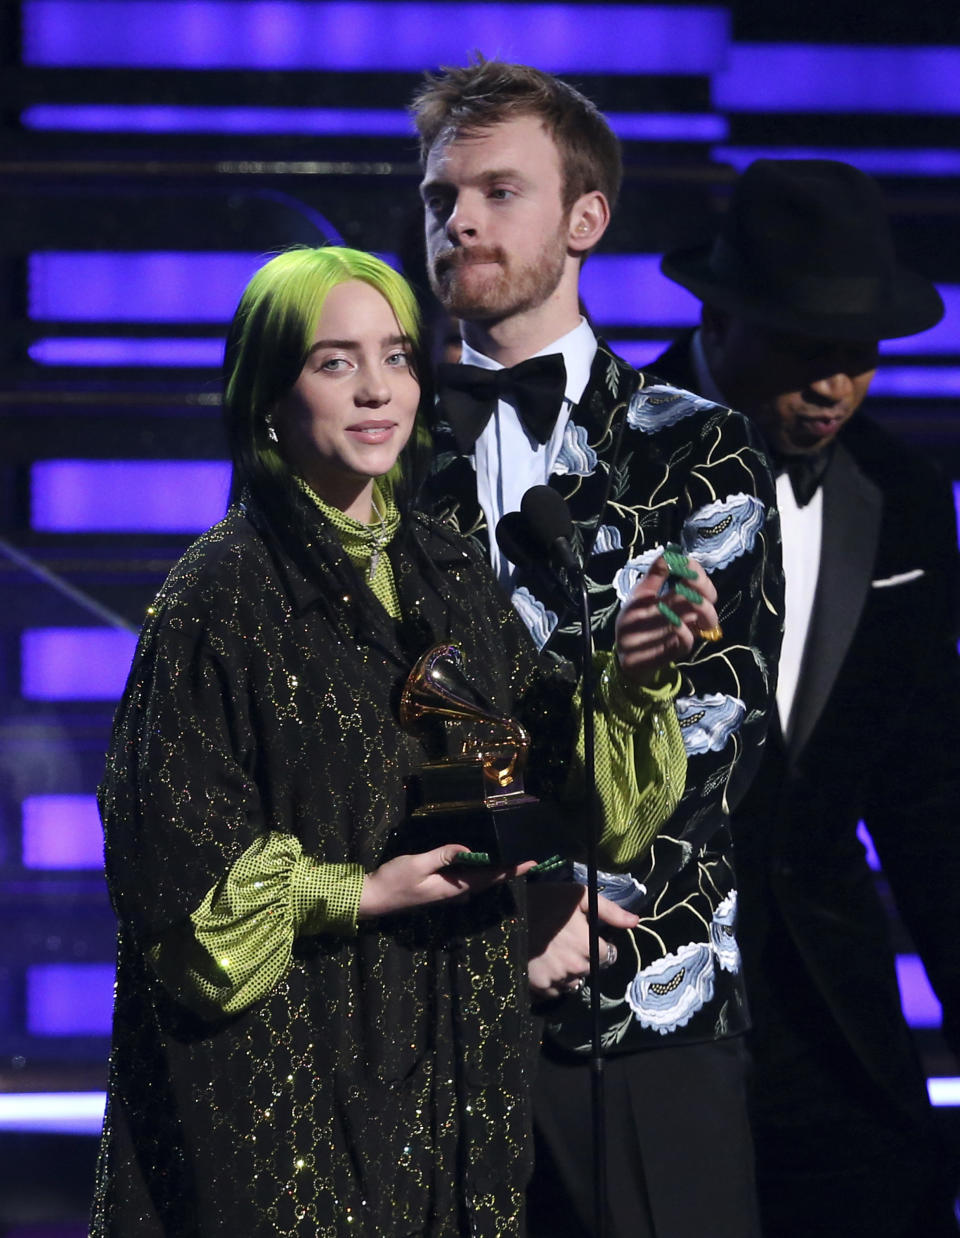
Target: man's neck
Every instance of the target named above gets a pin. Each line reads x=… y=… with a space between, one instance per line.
x=521 y=336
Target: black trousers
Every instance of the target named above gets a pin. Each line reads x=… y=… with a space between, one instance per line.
x=679 y=1150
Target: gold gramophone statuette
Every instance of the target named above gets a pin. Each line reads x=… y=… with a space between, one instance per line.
x=477 y=796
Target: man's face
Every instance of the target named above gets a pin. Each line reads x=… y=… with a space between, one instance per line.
x=798 y=389
x=496 y=227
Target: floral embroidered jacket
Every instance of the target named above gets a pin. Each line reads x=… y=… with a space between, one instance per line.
x=643 y=464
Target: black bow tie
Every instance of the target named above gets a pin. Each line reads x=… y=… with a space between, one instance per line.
x=469 y=395
x=806 y=473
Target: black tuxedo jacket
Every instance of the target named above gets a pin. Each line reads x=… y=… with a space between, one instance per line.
x=873 y=738
x=642 y=465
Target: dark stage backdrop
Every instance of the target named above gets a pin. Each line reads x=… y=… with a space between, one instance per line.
x=152 y=152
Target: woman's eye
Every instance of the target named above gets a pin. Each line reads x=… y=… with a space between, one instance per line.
x=398 y=359
x=333 y=364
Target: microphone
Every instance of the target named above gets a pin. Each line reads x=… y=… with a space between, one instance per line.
x=517 y=544
x=550 y=527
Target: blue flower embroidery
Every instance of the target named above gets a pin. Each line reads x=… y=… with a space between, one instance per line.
x=540 y=621
x=619 y=888
x=576 y=457
x=722 y=936
x=669 y=992
x=722 y=531
x=656 y=408
x=608 y=538
x=633 y=570
x=707 y=722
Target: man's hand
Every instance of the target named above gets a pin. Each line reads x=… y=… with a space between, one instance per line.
x=414 y=880
x=559 y=935
x=646 y=637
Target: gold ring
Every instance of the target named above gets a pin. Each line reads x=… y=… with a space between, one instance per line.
x=711 y=634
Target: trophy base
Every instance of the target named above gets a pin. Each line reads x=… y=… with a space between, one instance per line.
x=520 y=828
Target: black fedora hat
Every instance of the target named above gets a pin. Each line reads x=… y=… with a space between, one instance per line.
x=806 y=246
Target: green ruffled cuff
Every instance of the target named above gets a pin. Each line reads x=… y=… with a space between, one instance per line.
x=238 y=943
x=641 y=762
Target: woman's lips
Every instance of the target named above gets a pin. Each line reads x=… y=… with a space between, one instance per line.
x=372 y=431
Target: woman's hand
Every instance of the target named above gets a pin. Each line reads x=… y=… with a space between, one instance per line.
x=416 y=880
x=655 y=628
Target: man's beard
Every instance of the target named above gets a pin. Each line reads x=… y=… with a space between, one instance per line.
x=502 y=292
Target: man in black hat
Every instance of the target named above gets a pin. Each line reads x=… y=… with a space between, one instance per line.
x=797 y=289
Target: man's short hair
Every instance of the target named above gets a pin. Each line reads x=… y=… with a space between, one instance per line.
x=488 y=92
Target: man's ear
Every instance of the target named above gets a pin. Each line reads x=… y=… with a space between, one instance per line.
x=589 y=217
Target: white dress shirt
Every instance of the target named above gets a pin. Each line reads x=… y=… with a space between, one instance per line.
x=801 y=529
x=508 y=459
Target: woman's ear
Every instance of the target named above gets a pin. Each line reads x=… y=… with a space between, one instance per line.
x=589 y=217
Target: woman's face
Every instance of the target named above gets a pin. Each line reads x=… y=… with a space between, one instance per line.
x=352 y=409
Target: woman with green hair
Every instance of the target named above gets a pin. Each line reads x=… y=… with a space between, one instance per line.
x=311 y=1038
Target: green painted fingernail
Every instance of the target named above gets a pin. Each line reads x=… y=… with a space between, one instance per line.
x=677 y=562
x=692 y=595
x=476 y=858
x=668 y=614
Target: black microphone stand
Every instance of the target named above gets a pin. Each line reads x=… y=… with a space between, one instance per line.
x=547 y=521
x=597 y=1098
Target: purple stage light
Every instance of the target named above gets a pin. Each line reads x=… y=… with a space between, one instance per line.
x=919 y=1002
x=129 y=118
x=628 y=290
x=864 y=835
x=61 y=832
x=639 y=353
x=103 y=352
x=163 y=286
x=127 y=496
x=917 y=382
x=391 y=35
x=956 y=504
x=332 y=122
x=885 y=161
x=73 y=664
x=807 y=77
x=944 y=1092
x=668 y=126
x=70 y=999
x=61 y=1113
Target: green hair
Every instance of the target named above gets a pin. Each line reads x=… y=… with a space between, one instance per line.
x=269 y=339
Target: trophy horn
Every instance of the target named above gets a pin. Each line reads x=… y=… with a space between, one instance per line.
x=438 y=687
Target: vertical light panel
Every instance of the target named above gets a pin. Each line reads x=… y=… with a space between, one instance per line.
x=920 y=1005
x=135 y=496
x=70 y=999
x=61 y=832
x=74 y=664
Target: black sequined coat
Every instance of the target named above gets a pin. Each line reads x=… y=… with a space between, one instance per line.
x=380 y=1089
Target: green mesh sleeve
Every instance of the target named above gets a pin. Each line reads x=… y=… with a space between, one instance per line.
x=237 y=944
x=641 y=762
